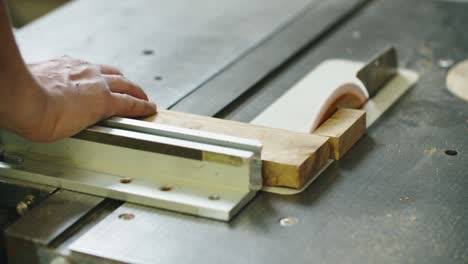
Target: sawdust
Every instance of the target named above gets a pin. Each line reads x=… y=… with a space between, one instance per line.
x=430 y=150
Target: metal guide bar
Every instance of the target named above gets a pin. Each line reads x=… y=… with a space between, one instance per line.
x=183 y=133
x=185 y=176
x=127 y=126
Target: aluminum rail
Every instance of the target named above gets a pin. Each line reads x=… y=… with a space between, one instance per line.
x=183 y=170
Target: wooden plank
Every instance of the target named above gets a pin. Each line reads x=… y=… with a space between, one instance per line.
x=290 y=159
x=315 y=97
x=457 y=80
x=344 y=128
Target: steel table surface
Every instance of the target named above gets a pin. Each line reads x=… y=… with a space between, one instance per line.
x=396 y=197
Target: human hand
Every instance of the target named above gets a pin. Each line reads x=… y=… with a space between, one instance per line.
x=78 y=94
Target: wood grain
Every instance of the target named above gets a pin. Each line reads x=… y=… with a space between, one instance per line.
x=290 y=159
x=344 y=128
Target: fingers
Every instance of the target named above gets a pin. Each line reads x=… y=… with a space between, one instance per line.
x=109 y=70
x=120 y=84
x=127 y=106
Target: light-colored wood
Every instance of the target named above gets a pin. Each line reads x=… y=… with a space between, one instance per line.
x=457 y=80
x=313 y=99
x=344 y=128
x=290 y=159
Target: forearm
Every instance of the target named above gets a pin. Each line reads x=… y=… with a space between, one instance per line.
x=21 y=98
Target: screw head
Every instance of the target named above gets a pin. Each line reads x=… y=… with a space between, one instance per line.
x=446 y=63
x=126 y=216
x=126 y=180
x=22 y=208
x=288 y=221
x=25 y=205
x=214 y=197
x=166 y=188
x=356 y=34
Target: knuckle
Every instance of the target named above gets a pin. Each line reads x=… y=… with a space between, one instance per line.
x=107 y=94
x=82 y=72
x=63 y=58
x=80 y=61
x=132 y=103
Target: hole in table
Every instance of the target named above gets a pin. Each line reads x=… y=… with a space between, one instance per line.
x=125 y=180
x=214 y=197
x=166 y=188
x=126 y=216
x=451 y=152
x=158 y=78
x=148 y=52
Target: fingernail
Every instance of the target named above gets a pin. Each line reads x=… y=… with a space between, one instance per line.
x=153 y=106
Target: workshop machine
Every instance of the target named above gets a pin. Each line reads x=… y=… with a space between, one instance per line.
x=306 y=131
